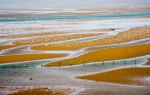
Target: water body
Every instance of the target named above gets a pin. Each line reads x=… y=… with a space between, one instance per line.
x=76 y=17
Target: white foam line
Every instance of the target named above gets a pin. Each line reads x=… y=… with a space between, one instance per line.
x=48 y=11
x=78 y=90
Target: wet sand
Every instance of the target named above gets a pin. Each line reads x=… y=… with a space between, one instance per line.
x=106 y=54
x=131 y=35
x=41 y=91
x=27 y=57
x=99 y=92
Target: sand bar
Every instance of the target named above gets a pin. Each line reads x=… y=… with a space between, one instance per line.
x=53 y=39
x=27 y=57
x=131 y=76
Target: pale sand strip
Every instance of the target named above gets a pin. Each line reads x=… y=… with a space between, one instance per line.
x=49 y=32
x=53 y=39
x=106 y=54
x=131 y=76
x=131 y=35
x=30 y=35
x=27 y=57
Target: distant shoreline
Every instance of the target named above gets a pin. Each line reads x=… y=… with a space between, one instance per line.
x=4 y=19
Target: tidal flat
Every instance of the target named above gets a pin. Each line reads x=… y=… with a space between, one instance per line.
x=81 y=51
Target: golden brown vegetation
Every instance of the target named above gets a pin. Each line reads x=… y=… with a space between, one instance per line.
x=53 y=39
x=27 y=57
x=106 y=54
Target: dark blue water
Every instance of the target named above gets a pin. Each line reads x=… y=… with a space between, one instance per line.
x=75 y=17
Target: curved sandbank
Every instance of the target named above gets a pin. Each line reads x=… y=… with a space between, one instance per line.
x=53 y=39
x=131 y=76
x=27 y=57
x=131 y=35
x=6 y=47
x=106 y=54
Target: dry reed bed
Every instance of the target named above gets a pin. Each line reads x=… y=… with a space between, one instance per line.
x=53 y=39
